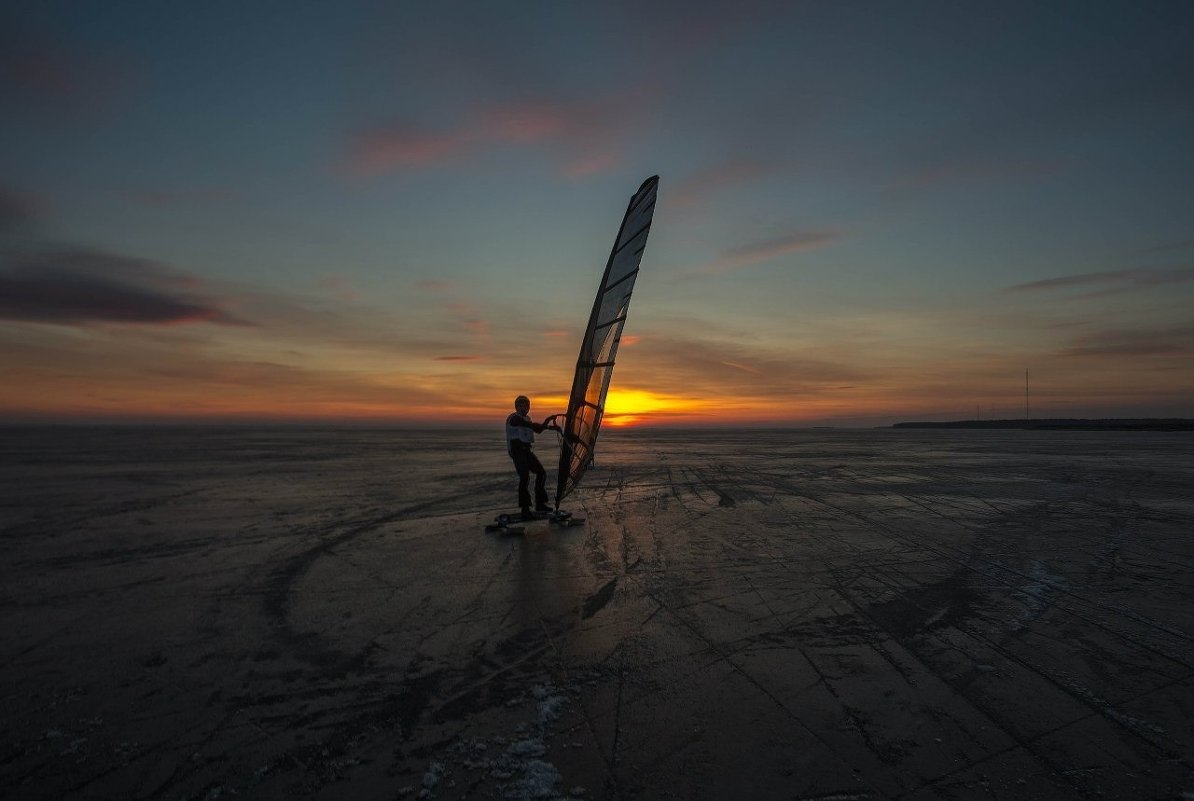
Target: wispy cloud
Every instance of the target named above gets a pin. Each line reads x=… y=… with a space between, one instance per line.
x=712 y=366
x=18 y=208
x=1166 y=247
x=977 y=171
x=746 y=255
x=175 y=197
x=1111 y=282
x=743 y=367
x=527 y=122
x=42 y=72
x=88 y=287
x=435 y=285
x=341 y=288
x=478 y=327
x=468 y=316
x=401 y=146
x=586 y=136
x=591 y=164
x=1134 y=343
x=700 y=186
x=37 y=68
x=457 y=358
x=126 y=373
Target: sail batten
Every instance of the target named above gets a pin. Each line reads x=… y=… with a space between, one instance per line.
x=599 y=346
x=614 y=321
x=621 y=280
x=637 y=234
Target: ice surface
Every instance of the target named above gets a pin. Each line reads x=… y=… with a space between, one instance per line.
x=192 y=613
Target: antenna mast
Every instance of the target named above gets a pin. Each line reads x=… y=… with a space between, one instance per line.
x=1026 y=416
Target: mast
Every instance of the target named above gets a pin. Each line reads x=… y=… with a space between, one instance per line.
x=1026 y=415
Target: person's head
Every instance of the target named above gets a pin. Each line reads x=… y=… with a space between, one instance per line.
x=522 y=404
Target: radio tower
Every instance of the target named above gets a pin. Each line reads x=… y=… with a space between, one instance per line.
x=1026 y=416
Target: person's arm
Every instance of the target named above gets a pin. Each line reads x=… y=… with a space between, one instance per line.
x=518 y=422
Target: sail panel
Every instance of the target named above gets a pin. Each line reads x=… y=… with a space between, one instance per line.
x=599 y=347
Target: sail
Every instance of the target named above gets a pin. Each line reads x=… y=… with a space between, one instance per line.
x=599 y=348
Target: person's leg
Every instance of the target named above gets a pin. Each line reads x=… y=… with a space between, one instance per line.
x=541 y=501
x=519 y=455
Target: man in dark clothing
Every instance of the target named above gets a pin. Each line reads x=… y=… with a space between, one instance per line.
x=520 y=436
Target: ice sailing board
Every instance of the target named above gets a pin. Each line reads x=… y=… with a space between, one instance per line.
x=599 y=348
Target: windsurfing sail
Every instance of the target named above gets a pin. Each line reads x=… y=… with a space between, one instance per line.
x=599 y=348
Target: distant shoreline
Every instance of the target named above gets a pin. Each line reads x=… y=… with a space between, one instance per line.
x=1070 y=424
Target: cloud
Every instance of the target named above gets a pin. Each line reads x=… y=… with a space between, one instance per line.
x=587 y=136
x=526 y=122
x=174 y=197
x=1137 y=343
x=460 y=308
x=1165 y=247
x=42 y=72
x=306 y=354
x=181 y=373
x=697 y=188
x=37 y=68
x=401 y=146
x=18 y=208
x=715 y=367
x=1111 y=282
x=469 y=317
x=979 y=170
x=371 y=330
x=435 y=285
x=743 y=367
x=341 y=288
x=591 y=164
x=86 y=287
x=746 y=255
x=477 y=327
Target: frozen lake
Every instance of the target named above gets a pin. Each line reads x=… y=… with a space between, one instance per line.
x=848 y=614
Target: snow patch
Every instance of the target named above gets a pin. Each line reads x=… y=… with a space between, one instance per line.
x=524 y=773
x=539 y=780
x=536 y=778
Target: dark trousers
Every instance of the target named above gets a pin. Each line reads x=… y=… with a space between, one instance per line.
x=525 y=462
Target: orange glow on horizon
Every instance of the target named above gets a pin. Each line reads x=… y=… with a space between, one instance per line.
x=624 y=408
x=628 y=407
x=283 y=395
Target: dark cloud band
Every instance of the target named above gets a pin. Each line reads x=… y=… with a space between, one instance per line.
x=87 y=287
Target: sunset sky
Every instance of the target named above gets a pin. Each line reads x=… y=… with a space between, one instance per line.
x=398 y=212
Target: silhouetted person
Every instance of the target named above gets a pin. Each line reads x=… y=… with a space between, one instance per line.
x=520 y=438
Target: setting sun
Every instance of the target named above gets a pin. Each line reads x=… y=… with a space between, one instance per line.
x=625 y=407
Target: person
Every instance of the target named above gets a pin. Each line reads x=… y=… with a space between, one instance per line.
x=520 y=438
